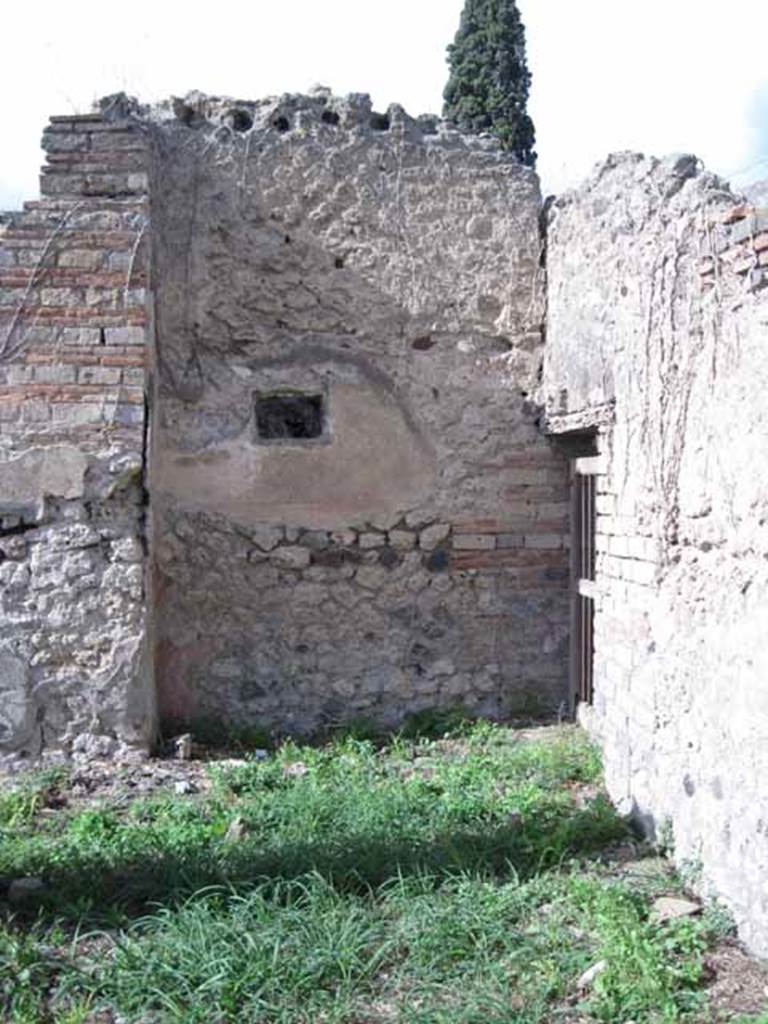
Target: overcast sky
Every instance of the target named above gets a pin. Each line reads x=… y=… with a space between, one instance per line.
x=652 y=75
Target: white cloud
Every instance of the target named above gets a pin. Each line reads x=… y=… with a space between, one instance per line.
x=659 y=76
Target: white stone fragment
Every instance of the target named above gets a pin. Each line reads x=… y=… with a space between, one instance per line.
x=431 y=536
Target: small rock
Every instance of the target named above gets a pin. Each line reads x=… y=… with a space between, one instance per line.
x=268 y=537
x=237 y=830
x=590 y=976
x=25 y=890
x=260 y=755
x=441 y=667
x=296 y=770
x=90 y=745
x=315 y=540
x=371 y=540
x=291 y=557
x=344 y=537
x=184 y=786
x=667 y=908
x=183 y=747
x=432 y=535
x=402 y=539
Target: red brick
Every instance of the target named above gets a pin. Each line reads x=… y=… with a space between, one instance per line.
x=513 y=524
x=736 y=213
x=40 y=357
x=71 y=277
x=542 y=459
x=72 y=392
x=111 y=359
x=745 y=265
x=489 y=525
x=96 y=316
x=509 y=558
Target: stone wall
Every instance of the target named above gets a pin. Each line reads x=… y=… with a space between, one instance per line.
x=415 y=553
x=75 y=671
x=657 y=318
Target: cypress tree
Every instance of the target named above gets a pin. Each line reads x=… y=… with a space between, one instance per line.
x=489 y=79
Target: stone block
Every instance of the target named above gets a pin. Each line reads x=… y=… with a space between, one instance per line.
x=19 y=373
x=125 y=336
x=65 y=297
x=754 y=223
x=126 y=413
x=346 y=538
x=315 y=540
x=546 y=541
x=55 y=374
x=474 y=541
x=431 y=536
x=290 y=557
x=76 y=413
x=605 y=505
x=371 y=577
x=641 y=573
x=267 y=537
x=82 y=336
x=510 y=540
x=82 y=259
x=100 y=375
x=33 y=410
x=120 y=261
x=553 y=509
x=402 y=539
x=372 y=540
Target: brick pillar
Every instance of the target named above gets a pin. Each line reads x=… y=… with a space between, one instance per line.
x=74 y=670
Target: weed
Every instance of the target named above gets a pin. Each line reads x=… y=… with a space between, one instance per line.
x=21 y=803
x=216 y=734
x=436 y=722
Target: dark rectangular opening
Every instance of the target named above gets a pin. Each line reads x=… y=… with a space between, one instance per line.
x=285 y=417
x=580 y=447
x=584 y=524
x=584 y=529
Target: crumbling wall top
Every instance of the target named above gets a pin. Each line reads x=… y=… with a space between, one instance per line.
x=317 y=112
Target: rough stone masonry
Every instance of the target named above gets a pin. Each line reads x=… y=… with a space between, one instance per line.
x=656 y=340
x=410 y=550
x=352 y=512
x=282 y=445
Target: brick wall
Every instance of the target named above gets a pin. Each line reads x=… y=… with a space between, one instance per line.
x=656 y=334
x=73 y=366
x=739 y=247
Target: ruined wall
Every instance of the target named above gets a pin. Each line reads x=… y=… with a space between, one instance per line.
x=414 y=554
x=74 y=665
x=657 y=316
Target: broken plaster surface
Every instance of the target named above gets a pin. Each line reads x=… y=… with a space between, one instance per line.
x=395 y=272
x=682 y=527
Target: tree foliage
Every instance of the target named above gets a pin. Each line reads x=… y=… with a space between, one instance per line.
x=489 y=80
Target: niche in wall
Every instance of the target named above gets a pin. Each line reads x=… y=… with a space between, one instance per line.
x=286 y=417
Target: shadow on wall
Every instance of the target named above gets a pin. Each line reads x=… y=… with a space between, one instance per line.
x=316 y=442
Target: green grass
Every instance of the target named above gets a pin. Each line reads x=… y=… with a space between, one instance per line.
x=445 y=881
